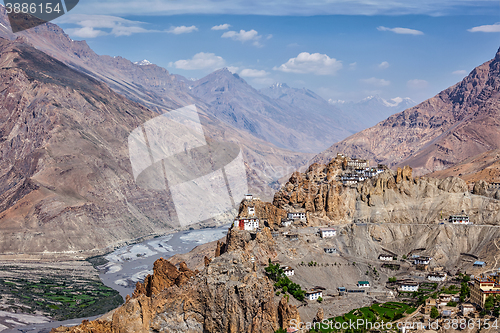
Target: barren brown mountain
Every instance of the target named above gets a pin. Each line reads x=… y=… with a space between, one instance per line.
x=158 y=90
x=458 y=123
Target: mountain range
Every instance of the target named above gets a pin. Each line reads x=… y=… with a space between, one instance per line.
x=457 y=124
x=373 y=109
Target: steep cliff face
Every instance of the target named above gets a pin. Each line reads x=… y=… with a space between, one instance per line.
x=458 y=123
x=391 y=197
x=230 y=295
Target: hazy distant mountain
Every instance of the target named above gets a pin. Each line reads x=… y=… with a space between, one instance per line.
x=373 y=109
x=460 y=122
x=288 y=122
x=308 y=101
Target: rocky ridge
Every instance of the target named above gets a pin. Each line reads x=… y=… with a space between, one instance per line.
x=231 y=294
x=391 y=197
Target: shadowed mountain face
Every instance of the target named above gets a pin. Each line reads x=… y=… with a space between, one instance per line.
x=301 y=122
x=458 y=123
x=65 y=181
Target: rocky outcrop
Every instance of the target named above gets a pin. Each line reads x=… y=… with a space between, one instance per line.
x=287 y=313
x=394 y=197
x=268 y=213
x=164 y=276
x=320 y=315
x=230 y=295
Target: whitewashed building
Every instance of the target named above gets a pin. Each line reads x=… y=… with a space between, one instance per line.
x=251 y=211
x=314 y=294
x=459 y=219
x=422 y=260
x=286 y=222
x=288 y=271
x=297 y=216
x=248 y=197
x=386 y=257
x=247 y=223
x=327 y=232
x=408 y=286
x=363 y=284
x=436 y=277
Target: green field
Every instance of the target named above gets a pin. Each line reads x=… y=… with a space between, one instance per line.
x=59 y=296
x=389 y=311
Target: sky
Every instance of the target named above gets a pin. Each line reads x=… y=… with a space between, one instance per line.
x=340 y=49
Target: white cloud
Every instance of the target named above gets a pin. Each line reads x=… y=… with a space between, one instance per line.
x=244 y=36
x=91 y=26
x=224 y=26
x=417 y=84
x=182 y=30
x=460 y=72
x=85 y=32
x=402 y=31
x=315 y=63
x=486 y=28
x=200 y=60
x=247 y=72
x=265 y=81
x=233 y=69
x=383 y=65
x=376 y=82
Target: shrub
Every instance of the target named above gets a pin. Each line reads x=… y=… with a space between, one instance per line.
x=434 y=312
x=320 y=299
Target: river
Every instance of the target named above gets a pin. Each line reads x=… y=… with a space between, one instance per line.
x=132 y=263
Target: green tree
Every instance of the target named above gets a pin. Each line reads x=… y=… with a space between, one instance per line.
x=434 y=312
x=392 y=279
x=320 y=299
x=489 y=303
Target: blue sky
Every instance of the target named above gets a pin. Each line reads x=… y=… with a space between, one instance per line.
x=343 y=50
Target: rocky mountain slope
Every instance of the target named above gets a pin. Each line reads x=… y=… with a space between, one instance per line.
x=66 y=181
x=391 y=197
x=287 y=123
x=158 y=90
x=458 y=123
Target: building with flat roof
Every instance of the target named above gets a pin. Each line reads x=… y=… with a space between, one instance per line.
x=297 y=216
x=436 y=277
x=385 y=257
x=288 y=271
x=459 y=219
x=408 y=286
x=327 y=232
x=314 y=294
x=482 y=287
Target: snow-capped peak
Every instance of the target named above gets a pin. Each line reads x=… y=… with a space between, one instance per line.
x=143 y=62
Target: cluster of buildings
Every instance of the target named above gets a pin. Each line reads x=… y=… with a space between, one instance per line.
x=357 y=170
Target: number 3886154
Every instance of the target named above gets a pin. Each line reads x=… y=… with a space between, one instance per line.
x=32 y=8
